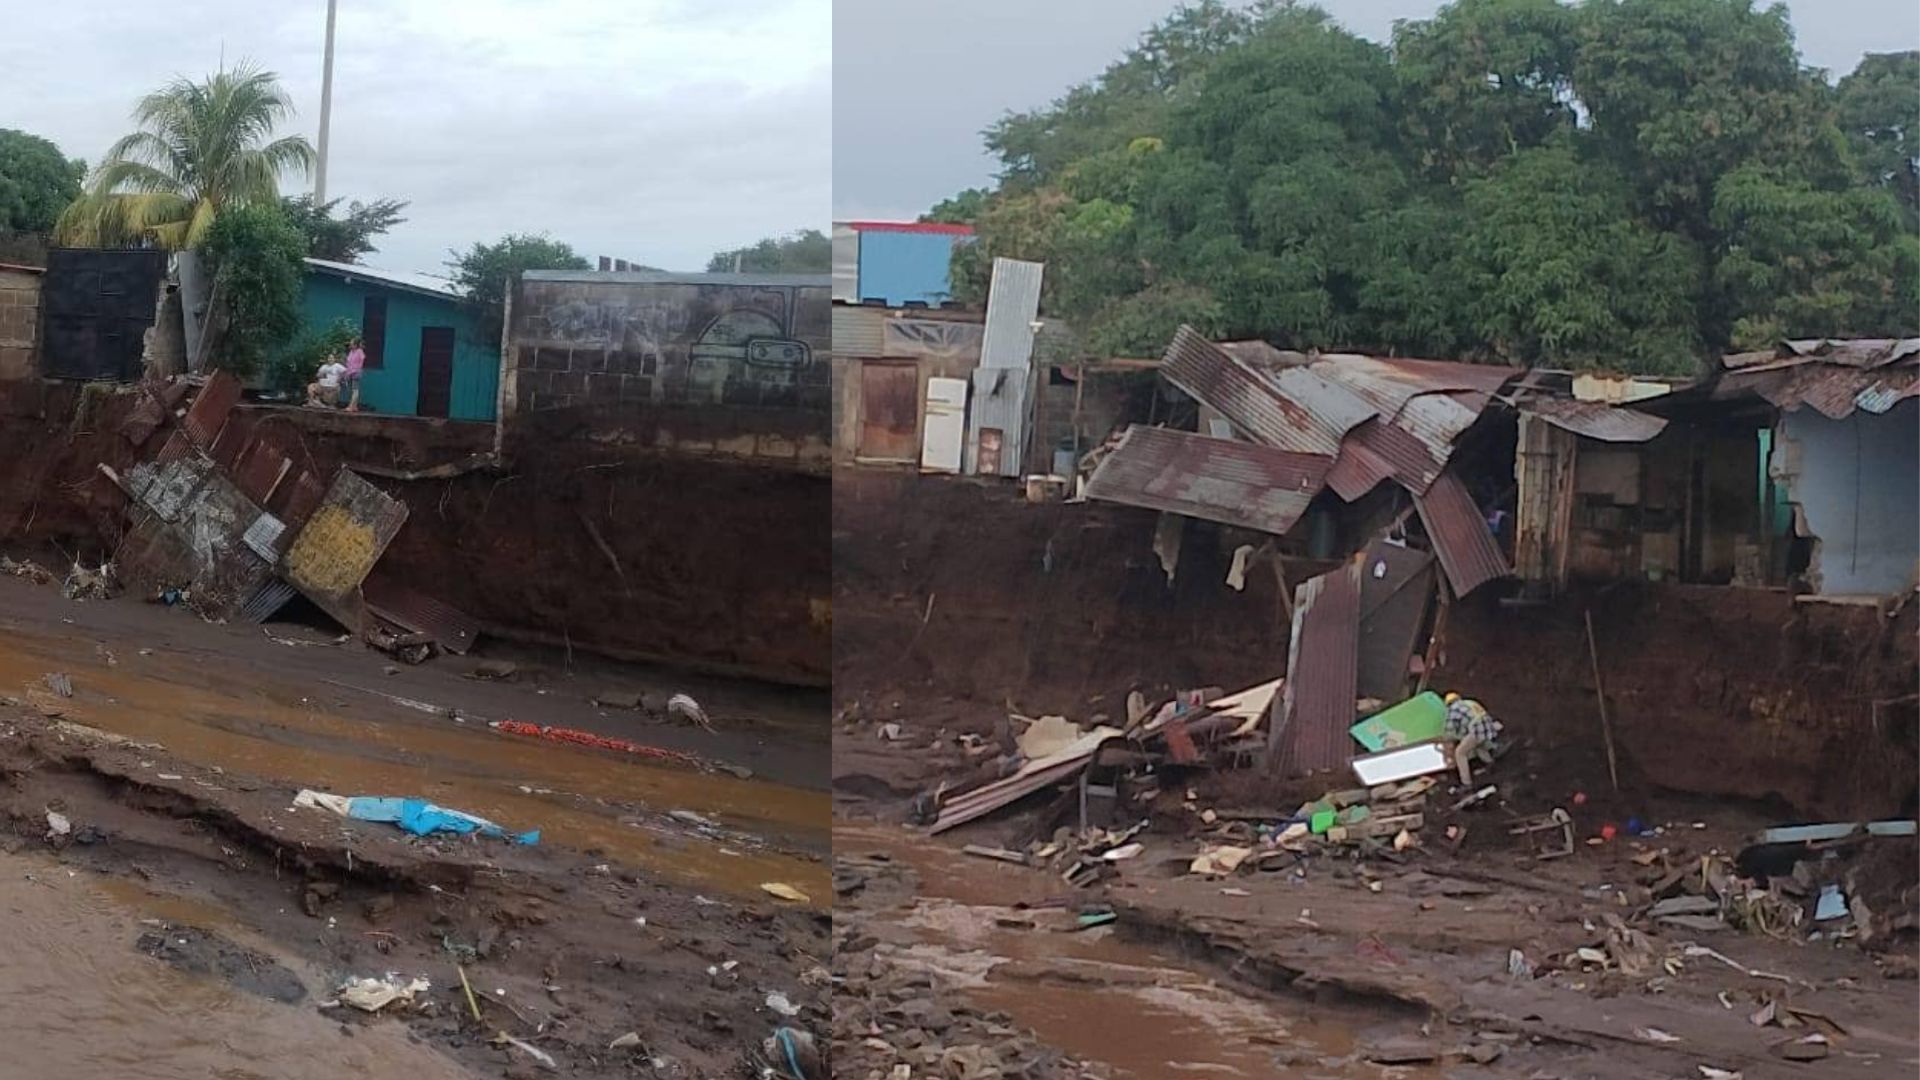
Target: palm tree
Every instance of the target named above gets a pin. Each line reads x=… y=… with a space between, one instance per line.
x=201 y=146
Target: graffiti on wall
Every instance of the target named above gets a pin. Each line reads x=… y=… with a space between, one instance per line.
x=599 y=342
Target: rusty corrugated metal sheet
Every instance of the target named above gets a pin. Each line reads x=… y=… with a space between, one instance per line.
x=455 y=630
x=1376 y=451
x=1317 y=699
x=1460 y=536
x=1388 y=383
x=208 y=414
x=1608 y=423
x=1396 y=585
x=1224 y=480
x=1259 y=354
x=1253 y=400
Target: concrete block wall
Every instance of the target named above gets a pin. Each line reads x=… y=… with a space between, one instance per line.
x=612 y=340
x=19 y=323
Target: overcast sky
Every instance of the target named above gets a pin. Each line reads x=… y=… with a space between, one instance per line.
x=654 y=130
x=915 y=81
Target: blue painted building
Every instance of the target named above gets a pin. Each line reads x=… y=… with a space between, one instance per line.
x=896 y=264
x=425 y=356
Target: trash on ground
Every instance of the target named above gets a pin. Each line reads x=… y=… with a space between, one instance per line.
x=784 y=891
x=541 y=1057
x=1831 y=904
x=372 y=995
x=57 y=824
x=779 y=1003
x=60 y=684
x=416 y=816
x=684 y=709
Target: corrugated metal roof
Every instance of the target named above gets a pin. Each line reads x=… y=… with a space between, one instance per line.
x=1223 y=480
x=1013 y=305
x=1358 y=469
x=1833 y=390
x=437 y=287
x=1460 y=536
x=859 y=331
x=1253 y=402
x=1317 y=699
x=1260 y=354
x=1595 y=420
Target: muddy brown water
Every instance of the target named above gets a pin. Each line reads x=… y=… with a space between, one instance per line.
x=1144 y=1012
x=242 y=720
x=78 y=1000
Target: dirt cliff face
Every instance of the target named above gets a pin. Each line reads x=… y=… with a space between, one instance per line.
x=1712 y=691
x=614 y=549
x=968 y=587
x=948 y=589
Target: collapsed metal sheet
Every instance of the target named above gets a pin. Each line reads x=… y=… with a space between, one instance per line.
x=1317 y=698
x=1254 y=401
x=1376 y=451
x=208 y=414
x=1396 y=585
x=1467 y=549
x=193 y=537
x=453 y=629
x=1387 y=384
x=337 y=547
x=1608 y=423
x=1223 y=480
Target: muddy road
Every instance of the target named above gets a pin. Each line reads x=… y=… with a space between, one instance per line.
x=635 y=935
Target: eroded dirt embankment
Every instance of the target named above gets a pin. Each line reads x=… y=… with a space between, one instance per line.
x=952 y=599
x=575 y=543
x=967 y=589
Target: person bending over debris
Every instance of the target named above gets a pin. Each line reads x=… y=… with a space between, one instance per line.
x=1473 y=732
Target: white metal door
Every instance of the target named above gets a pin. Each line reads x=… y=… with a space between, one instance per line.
x=945 y=429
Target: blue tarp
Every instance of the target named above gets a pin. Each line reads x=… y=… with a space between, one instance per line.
x=422 y=818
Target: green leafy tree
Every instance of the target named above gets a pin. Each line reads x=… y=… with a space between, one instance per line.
x=1558 y=270
x=347 y=238
x=1484 y=79
x=1623 y=184
x=202 y=147
x=1879 y=109
x=1801 y=261
x=256 y=258
x=37 y=182
x=963 y=208
x=486 y=272
x=808 y=251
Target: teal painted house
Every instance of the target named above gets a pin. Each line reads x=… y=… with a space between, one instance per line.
x=424 y=356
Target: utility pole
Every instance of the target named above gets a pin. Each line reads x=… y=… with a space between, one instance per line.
x=326 y=114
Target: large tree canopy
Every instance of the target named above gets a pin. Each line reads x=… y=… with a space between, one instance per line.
x=486 y=272
x=1624 y=184
x=37 y=181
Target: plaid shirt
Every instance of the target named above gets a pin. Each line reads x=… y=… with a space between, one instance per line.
x=1467 y=717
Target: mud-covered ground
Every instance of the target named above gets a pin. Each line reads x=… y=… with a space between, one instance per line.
x=156 y=798
x=1335 y=965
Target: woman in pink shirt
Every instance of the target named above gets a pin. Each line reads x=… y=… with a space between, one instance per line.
x=350 y=382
